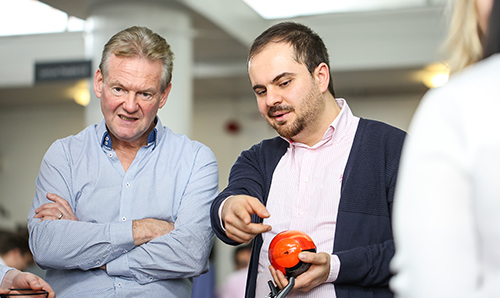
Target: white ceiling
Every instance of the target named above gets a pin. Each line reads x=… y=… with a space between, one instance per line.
x=372 y=52
x=279 y=9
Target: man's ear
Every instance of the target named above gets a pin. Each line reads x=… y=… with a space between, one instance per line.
x=98 y=82
x=322 y=74
x=164 y=95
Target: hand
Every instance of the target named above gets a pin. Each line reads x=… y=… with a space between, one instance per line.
x=26 y=280
x=316 y=275
x=145 y=230
x=52 y=211
x=236 y=217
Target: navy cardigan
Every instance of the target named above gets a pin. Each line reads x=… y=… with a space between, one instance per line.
x=363 y=237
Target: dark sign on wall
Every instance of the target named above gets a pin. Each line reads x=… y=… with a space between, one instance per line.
x=57 y=71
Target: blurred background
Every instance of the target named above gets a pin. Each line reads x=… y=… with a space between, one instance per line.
x=385 y=54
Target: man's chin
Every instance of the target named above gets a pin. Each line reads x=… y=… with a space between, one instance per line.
x=286 y=133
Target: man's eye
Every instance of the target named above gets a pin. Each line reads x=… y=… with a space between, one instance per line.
x=146 y=96
x=285 y=83
x=260 y=92
x=117 y=89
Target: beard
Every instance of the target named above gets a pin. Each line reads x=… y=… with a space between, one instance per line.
x=306 y=114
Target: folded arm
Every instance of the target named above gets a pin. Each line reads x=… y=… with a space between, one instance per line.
x=185 y=250
x=70 y=244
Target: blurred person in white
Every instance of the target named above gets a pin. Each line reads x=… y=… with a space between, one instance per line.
x=446 y=215
x=13 y=278
x=234 y=287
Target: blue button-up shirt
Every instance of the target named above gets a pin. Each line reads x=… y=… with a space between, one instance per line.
x=171 y=178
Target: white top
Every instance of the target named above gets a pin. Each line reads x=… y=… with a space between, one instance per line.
x=447 y=205
x=305 y=194
x=235 y=285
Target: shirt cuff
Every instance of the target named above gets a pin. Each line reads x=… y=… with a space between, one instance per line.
x=122 y=239
x=220 y=213
x=9 y=278
x=119 y=266
x=334 y=268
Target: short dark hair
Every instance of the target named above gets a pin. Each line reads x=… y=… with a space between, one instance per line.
x=10 y=241
x=309 y=48
x=492 y=40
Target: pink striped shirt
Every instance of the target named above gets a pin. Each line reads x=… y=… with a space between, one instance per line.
x=305 y=194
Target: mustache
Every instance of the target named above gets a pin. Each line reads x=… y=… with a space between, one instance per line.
x=278 y=108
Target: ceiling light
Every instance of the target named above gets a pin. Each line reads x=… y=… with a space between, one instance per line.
x=435 y=75
x=21 y=17
x=80 y=93
x=279 y=9
x=82 y=97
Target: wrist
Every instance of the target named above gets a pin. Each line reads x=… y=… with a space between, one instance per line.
x=8 y=278
x=139 y=232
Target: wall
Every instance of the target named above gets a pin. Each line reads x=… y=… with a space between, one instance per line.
x=26 y=133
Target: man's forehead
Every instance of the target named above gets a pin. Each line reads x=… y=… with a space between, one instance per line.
x=274 y=48
x=273 y=63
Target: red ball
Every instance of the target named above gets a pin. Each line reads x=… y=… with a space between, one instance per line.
x=284 y=252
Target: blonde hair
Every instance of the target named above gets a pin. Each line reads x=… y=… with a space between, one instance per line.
x=139 y=42
x=464 y=41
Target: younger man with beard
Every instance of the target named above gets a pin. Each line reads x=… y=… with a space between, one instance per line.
x=329 y=174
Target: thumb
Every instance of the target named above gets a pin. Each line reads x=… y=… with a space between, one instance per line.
x=308 y=257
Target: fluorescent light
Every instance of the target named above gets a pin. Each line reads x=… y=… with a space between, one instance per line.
x=80 y=92
x=280 y=9
x=21 y=17
x=433 y=75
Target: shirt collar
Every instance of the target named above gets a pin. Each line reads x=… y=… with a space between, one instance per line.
x=336 y=129
x=153 y=138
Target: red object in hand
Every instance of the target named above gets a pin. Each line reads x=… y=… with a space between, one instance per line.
x=284 y=252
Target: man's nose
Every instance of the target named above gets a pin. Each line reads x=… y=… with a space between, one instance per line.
x=130 y=103
x=273 y=97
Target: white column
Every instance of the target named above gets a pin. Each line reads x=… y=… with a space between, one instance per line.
x=171 y=22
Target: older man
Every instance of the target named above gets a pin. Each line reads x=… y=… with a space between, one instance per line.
x=121 y=209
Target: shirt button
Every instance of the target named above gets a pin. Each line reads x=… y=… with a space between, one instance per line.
x=128 y=184
x=111 y=155
x=98 y=263
x=124 y=218
x=306 y=180
x=125 y=251
x=119 y=285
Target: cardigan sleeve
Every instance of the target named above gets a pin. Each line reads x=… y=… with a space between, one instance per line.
x=250 y=175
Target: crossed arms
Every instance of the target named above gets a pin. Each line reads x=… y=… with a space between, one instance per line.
x=147 y=248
